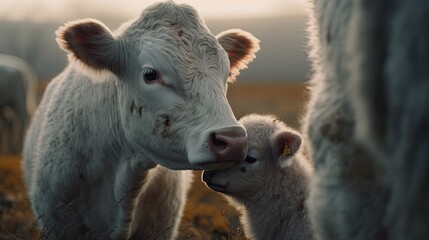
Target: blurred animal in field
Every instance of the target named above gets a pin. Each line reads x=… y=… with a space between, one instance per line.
x=18 y=101
x=367 y=119
x=270 y=187
x=152 y=92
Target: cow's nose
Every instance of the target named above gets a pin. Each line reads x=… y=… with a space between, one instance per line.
x=229 y=144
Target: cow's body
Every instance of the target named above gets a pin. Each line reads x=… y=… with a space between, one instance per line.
x=18 y=94
x=367 y=119
x=154 y=92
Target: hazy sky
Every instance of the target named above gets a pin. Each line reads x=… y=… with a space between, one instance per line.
x=60 y=9
x=279 y=24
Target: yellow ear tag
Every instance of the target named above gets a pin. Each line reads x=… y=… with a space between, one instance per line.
x=287 y=151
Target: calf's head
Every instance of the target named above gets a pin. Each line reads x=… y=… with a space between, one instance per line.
x=272 y=147
x=171 y=76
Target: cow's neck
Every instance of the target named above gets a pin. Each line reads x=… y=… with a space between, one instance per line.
x=124 y=167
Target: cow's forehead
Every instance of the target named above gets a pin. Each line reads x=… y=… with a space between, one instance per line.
x=178 y=32
x=168 y=15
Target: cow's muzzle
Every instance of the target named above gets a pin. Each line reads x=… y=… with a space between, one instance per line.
x=218 y=148
x=228 y=144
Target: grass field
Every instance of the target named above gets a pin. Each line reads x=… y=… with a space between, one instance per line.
x=207 y=215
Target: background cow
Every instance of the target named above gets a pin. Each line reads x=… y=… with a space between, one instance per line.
x=18 y=100
x=367 y=119
x=153 y=92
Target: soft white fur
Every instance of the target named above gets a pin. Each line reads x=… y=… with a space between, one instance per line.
x=91 y=153
x=270 y=193
x=367 y=119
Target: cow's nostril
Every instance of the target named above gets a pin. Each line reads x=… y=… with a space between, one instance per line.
x=229 y=144
x=218 y=143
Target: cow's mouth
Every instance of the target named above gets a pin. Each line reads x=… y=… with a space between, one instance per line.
x=208 y=180
x=211 y=166
x=217 y=188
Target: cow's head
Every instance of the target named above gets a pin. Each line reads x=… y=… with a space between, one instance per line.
x=171 y=74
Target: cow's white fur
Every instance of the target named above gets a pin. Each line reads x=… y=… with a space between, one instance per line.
x=270 y=193
x=367 y=119
x=91 y=152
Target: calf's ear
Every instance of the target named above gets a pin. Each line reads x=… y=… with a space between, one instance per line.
x=241 y=47
x=89 y=42
x=285 y=146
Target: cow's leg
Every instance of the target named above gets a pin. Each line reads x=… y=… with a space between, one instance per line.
x=19 y=107
x=5 y=133
x=160 y=204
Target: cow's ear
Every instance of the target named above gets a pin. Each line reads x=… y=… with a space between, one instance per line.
x=285 y=145
x=241 y=47
x=90 y=42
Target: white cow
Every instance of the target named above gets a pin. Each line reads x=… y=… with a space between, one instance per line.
x=367 y=119
x=270 y=187
x=152 y=92
x=18 y=94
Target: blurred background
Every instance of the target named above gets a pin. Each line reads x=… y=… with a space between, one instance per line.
x=28 y=26
x=274 y=83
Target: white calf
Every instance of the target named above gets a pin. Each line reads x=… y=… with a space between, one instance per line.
x=367 y=120
x=153 y=92
x=270 y=187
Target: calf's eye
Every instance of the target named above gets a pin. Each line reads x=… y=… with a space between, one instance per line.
x=250 y=159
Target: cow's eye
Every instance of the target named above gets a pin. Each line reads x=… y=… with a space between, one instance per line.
x=150 y=75
x=250 y=159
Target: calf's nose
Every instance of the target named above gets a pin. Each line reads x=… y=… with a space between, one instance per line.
x=229 y=144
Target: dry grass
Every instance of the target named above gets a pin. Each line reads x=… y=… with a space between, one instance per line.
x=207 y=215
x=16 y=219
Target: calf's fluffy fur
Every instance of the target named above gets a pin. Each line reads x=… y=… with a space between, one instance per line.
x=270 y=187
